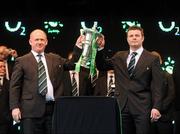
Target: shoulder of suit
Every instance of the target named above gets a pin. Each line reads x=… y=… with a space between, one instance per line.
x=24 y=56
x=149 y=54
x=55 y=56
x=117 y=54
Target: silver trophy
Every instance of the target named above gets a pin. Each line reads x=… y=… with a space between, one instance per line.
x=90 y=36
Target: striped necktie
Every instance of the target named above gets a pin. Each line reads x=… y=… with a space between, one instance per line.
x=94 y=80
x=42 y=79
x=132 y=64
x=74 y=85
x=110 y=89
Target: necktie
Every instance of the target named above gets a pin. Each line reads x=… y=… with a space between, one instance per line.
x=42 y=79
x=74 y=85
x=131 y=64
x=1 y=81
x=93 y=80
x=110 y=87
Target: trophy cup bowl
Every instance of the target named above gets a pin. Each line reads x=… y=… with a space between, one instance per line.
x=89 y=47
x=90 y=36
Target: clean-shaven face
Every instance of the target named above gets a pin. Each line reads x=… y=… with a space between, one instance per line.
x=38 y=41
x=135 y=39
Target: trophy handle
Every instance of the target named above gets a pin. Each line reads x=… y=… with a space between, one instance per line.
x=99 y=29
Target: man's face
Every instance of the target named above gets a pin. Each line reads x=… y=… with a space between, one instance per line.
x=3 y=53
x=2 y=68
x=135 y=39
x=38 y=41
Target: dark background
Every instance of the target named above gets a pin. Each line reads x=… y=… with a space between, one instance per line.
x=124 y=8
x=167 y=43
x=109 y=15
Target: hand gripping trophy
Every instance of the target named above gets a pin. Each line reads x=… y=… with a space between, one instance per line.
x=88 y=56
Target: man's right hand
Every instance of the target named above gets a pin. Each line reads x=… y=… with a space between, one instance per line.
x=80 y=41
x=16 y=114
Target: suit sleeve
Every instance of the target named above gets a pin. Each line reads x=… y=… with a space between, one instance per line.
x=15 y=85
x=69 y=64
x=157 y=85
x=102 y=63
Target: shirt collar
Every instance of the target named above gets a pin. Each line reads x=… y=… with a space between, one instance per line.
x=138 y=51
x=35 y=53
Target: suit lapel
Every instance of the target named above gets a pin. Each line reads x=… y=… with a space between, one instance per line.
x=125 y=56
x=140 y=62
x=49 y=64
x=32 y=61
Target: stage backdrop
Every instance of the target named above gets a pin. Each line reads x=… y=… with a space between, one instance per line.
x=162 y=35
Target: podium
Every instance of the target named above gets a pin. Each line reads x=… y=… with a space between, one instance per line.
x=86 y=115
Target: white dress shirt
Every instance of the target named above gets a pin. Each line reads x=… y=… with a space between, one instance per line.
x=139 y=52
x=7 y=71
x=50 y=92
x=1 y=80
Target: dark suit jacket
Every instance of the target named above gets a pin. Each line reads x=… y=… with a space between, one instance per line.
x=143 y=91
x=168 y=98
x=101 y=84
x=5 y=114
x=84 y=84
x=23 y=86
x=10 y=66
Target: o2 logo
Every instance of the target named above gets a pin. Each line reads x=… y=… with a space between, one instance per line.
x=169 y=28
x=15 y=27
